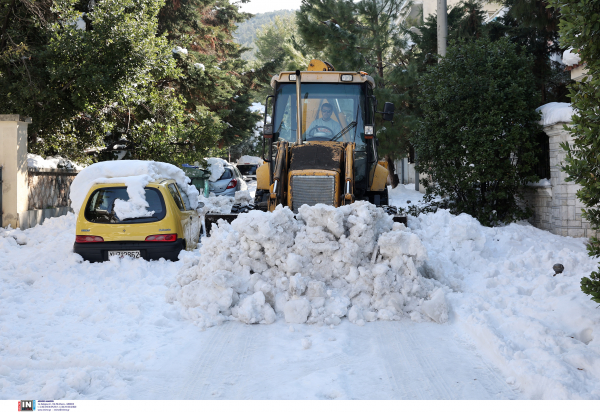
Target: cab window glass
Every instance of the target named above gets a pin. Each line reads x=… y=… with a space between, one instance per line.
x=330 y=112
x=99 y=208
x=176 y=196
x=184 y=196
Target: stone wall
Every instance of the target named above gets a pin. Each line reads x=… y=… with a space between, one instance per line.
x=49 y=188
x=556 y=207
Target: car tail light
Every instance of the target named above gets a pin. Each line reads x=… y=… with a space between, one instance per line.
x=232 y=184
x=88 y=239
x=162 y=238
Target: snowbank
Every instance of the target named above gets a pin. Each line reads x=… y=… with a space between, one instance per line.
x=538 y=328
x=216 y=167
x=318 y=267
x=38 y=162
x=569 y=58
x=135 y=174
x=251 y=160
x=553 y=113
x=70 y=329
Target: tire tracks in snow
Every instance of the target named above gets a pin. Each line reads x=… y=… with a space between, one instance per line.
x=427 y=362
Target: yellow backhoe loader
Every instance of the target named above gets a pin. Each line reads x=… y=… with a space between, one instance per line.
x=322 y=145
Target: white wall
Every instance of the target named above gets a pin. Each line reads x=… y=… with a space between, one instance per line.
x=13 y=159
x=556 y=208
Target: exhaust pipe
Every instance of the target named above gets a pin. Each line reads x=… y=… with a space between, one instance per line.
x=298 y=110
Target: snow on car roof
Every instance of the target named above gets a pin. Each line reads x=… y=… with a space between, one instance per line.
x=135 y=174
x=250 y=160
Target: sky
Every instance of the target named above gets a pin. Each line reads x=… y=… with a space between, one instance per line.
x=264 y=6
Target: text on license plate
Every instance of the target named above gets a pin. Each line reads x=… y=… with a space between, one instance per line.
x=123 y=253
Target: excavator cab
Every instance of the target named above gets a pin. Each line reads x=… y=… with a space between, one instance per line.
x=333 y=111
x=320 y=144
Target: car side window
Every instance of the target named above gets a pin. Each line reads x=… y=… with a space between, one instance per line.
x=176 y=197
x=184 y=196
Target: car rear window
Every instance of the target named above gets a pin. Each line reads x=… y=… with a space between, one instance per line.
x=227 y=174
x=247 y=169
x=99 y=208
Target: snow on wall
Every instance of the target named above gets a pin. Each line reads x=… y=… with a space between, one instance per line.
x=135 y=174
x=38 y=162
x=553 y=113
x=318 y=267
x=570 y=58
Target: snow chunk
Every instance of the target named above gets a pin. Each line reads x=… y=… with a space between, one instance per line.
x=250 y=160
x=569 y=58
x=199 y=66
x=316 y=267
x=135 y=174
x=436 y=308
x=553 y=113
x=216 y=166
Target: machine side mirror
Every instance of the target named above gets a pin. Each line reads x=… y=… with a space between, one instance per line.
x=268 y=130
x=388 y=112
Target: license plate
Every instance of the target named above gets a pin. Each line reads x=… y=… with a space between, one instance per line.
x=122 y=253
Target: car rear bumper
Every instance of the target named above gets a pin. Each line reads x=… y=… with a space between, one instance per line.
x=98 y=252
x=226 y=192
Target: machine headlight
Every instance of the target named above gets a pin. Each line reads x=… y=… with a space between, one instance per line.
x=347 y=77
x=368 y=130
x=292 y=77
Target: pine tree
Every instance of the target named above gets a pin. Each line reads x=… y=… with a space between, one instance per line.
x=365 y=35
x=215 y=77
x=533 y=24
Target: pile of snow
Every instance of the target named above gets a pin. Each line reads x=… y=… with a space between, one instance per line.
x=135 y=174
x=216 y=167
x=536 y=326
x=199 y=66
x=53 y=162
x=180 y=50
x=96 y=324
x=223 y=204
x=553 y=113
x=254 y=160
x=569 y=58
x=318 y=266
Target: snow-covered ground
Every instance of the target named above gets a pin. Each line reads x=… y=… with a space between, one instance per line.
x=515 y=330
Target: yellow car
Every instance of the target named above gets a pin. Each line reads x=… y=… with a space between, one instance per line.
x=172 y=227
